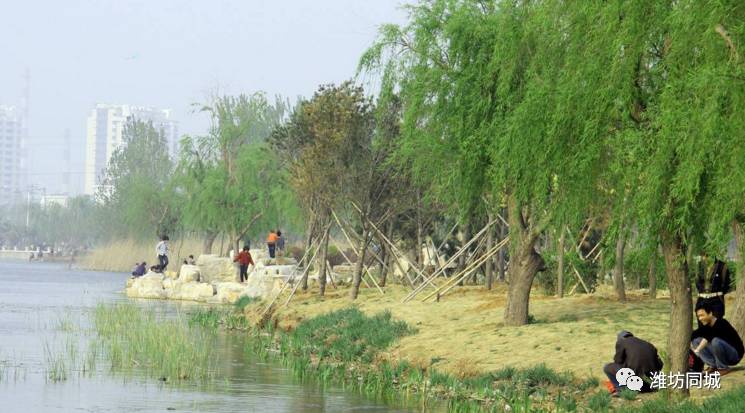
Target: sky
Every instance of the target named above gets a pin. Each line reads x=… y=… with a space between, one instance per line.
x=168 y=54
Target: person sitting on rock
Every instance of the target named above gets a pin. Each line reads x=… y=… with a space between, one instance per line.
x=716 y=342
x=139 y=269
x=636 y=354
x=191 y=260
x=244 y=259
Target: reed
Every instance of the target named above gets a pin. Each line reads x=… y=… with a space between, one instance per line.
x=120 y=256
x=212 y=318
x=168 y=349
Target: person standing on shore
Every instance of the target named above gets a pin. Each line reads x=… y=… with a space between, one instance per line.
x=244 y=259
x=162 y=251
x=280 y=244
x=271 y=242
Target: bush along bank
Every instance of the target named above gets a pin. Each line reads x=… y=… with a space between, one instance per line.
x=347 y=347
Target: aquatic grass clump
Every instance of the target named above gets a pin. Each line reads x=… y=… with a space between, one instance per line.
x=212 y=318
x=209 y=318
x=347 y=335
x=57 y=366
x=244 y=301
x=169 y=349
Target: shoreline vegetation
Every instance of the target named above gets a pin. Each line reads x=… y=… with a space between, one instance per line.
x=385 y=350
x=372 y=349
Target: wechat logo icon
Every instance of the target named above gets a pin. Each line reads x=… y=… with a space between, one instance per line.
x=627 y=377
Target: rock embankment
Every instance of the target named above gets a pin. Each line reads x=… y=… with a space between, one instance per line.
x=214 y=280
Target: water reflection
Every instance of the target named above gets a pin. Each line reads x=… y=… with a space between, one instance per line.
x=46 y=304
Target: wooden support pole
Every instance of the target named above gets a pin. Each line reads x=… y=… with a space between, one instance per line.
x=579 y=277
x=305 y=274
x=292 y=278
x=467 y=271
x=349 y=240
x=393 y=248
x=452 y=259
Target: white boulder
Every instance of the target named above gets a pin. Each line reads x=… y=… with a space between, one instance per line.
x=188 y=273
x=149 y=285
x=192 y=291
x=229 y=292
x=214 y=269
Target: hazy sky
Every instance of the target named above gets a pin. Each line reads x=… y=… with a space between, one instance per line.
x=169 y=54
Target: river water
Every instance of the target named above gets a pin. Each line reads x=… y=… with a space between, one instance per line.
x=37 y=299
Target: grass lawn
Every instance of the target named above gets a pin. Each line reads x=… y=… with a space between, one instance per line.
x=463 y=335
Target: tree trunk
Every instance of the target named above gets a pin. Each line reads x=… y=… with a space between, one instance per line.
x=652 y=276
x=560 y=269
x=618 y=268
x=308 y=247
x=489 y=264
x=359 y=265
x=681 y=305
x=386 y=255
x=323 y=267
x=419 y=231
x=236 y=243
x=524 y=266
x=463 y=239
x=209 y=239
x=738 y=316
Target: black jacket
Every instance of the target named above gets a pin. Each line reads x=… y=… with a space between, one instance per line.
x=638 y=355
x=721 y=329
x=713 y=280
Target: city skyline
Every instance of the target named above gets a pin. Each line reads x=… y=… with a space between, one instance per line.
x=104 y=135
x=167 y=55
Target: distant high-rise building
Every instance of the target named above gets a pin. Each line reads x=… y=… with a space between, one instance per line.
x=105 y=127
x=12 y=154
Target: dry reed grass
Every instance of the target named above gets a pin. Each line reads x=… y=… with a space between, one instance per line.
x=464 y=335
x=122 y=255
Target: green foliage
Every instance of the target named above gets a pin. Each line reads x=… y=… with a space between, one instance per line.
x=348 y=335
x=727 y=401
x=168 y=349
x=232 y=182
x=137 y=193
x=599 y=402
x=243 y=302
x=230 y=319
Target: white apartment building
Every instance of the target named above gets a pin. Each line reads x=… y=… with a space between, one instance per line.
x=12 y=154
x=105 y=126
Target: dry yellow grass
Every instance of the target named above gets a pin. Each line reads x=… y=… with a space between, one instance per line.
x=463 y=334
x=122 y=255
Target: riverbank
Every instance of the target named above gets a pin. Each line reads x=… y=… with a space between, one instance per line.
x=462 y=338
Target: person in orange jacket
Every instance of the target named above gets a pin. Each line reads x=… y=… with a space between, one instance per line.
x=271 y=243
x=244 y=259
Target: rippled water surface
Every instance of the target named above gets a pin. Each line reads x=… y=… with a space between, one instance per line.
x=37 y=301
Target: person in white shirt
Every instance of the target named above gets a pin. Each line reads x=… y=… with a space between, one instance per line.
x=162 y=251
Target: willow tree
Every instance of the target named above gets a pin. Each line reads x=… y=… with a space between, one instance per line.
x=231 y=180
x=694 y=177
x=512 y=101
